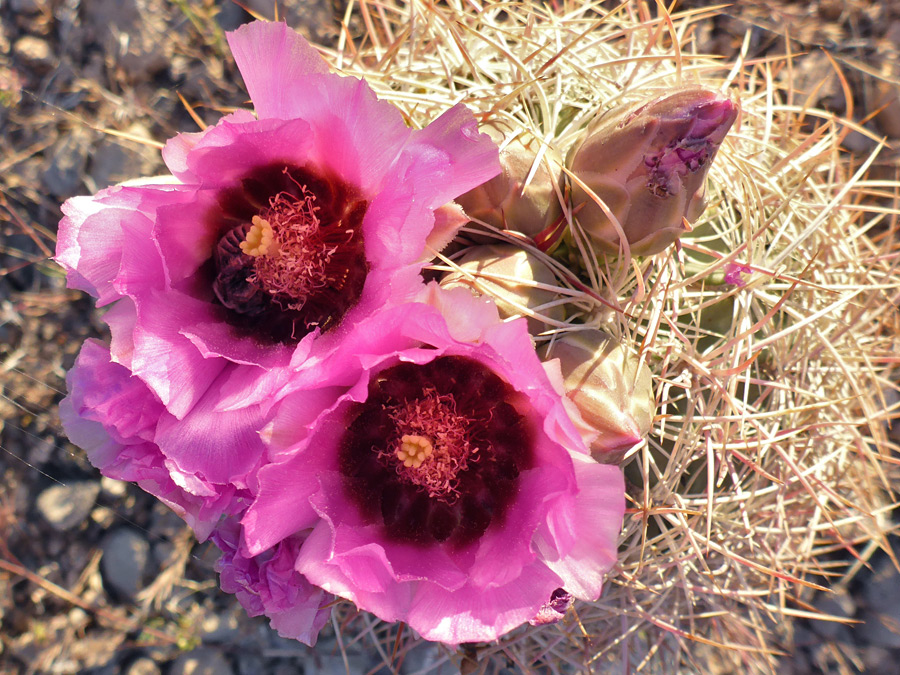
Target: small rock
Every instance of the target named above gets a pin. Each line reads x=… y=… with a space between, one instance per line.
x=220 y=628
x=142 y=666
x=887 y=97
x=65 y=162
x=66 y=506
x=881 y=629
x=332 y=665
x=250 y=663
x=117 y=160
x=202 y=661
x=834 y=604
x=113 y=488
x=124 y=561
x=25 y=6
x=882 y=589
x=423 y=658
x=132 y=32
x=35 y=52
x=878 y=661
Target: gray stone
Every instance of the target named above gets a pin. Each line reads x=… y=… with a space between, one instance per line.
x=67 y=506
x=124 y=561
x=882 y=589
x=878 y=661
x=25 y=6
x=881 y=629
x=334 y=665
x=220 y=628
x=249 y=663
x=142 y=666
x=35 y=52
x=65 y=162
x=838 y=605
x=202 y=661
x=133 y=33
x=423 y=658
x=116 y=160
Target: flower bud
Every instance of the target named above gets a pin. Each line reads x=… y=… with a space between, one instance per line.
x=498 y=270
x=648 y=164
x=506 y=201
x=611 y=389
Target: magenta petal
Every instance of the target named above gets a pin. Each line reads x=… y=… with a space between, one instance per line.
x=114 y=416
x=268 y=584
x=592 y=523
x=106 y=392
x=452 y=156
x=177 y=149
x=166 y=360
x=184 y=238
x=274 y=61
x=223 y=446
x=229 y=150
x=478 y=615
x=96 y=231
x=282 y=506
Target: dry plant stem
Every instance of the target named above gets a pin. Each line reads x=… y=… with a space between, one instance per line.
x=110 y=618
x=769 y=451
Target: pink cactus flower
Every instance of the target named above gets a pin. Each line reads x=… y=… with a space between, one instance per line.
x=447 y=487
x=120 y=423
x=277 y=235
x=268 y=584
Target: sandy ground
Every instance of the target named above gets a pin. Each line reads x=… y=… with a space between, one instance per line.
x=96 y=576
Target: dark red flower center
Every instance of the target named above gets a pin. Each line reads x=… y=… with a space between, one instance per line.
x=436 y=450
x=290 y=257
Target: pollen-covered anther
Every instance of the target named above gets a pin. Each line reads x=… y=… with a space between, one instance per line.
x=414 y=450
x=260 y=239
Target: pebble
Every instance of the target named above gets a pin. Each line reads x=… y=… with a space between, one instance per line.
x=124 y=561
x=25 y=6
x=64 y=166
x=142 y=666
x=67 y=506
x=838 y=605
x=115 y=160
x=220 y=628
x=35 y=52
x=113 y=488
x=202 y=661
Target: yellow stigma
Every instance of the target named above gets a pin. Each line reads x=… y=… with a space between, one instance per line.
x=260 y=239
x=414 y=450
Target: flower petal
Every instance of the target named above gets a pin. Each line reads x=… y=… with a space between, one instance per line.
x=274 y=60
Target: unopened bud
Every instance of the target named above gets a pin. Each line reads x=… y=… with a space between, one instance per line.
x=648 y=164
x=611 y=389
x=510 y=201
x=503 y=271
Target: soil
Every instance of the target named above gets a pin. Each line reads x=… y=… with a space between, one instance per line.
x=95 y=575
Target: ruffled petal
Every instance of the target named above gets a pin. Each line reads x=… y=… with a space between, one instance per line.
x=164 y=358
x=274 y=62
x=175 y=153
x=97 y=231
x=450 y=157
x=221 y=445
x=591 y=521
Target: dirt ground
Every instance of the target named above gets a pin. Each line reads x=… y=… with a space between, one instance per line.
x=95 y=575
